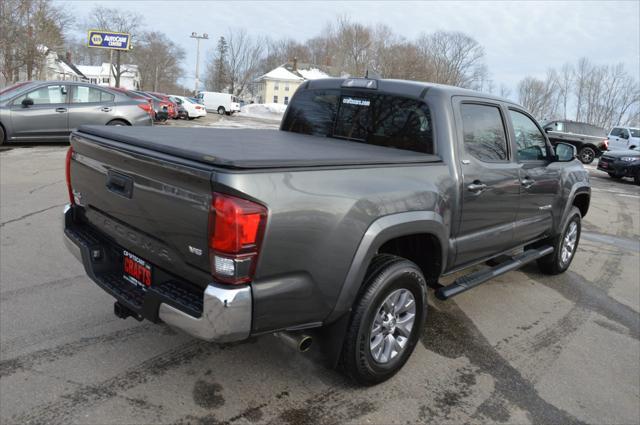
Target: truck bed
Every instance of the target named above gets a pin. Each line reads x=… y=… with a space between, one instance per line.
x=253 y=149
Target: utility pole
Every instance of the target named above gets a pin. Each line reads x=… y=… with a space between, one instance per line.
x=198 y=37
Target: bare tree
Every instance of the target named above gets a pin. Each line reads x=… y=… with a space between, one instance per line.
x=158 y=60
x=28 y=29
x=352 y=42
x=452 y=58
x=244 y=57
x=116 y=20
x=539 y=96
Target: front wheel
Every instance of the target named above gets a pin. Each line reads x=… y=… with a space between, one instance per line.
x=564 y=245
x=221 y=110
x=587 y=155
x=2 y=136
x=386 y=322
x=615 y=176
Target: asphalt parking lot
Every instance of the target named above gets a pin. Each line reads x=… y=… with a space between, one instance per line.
x=525 y=348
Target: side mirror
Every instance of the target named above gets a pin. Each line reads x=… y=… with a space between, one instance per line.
x=26 y=102
x=565 y=152
x=547 y=129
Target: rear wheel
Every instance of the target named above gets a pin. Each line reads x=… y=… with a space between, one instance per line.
x=2 y=136
x=636 y=178
x=565 y=245
x=587 y=155
x=614 y=176
x=221 y=110
x=386 y=321
x=117 y=122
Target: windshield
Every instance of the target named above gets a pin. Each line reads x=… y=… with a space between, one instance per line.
x=9 y=92
x=635 y=132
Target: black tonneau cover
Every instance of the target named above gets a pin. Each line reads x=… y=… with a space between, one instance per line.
x=248 y=148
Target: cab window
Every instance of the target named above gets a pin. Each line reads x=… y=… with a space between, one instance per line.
x=483 y=132
x=531 y=143
x=85 y=94
x=45 y=95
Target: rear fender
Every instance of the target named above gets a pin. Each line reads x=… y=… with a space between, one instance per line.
x=379 y=232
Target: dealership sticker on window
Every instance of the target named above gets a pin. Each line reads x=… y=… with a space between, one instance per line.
x=354 y=101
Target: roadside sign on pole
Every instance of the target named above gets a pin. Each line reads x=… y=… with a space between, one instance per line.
x=109 y=40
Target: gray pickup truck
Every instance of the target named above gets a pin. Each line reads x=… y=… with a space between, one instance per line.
x=332 y=228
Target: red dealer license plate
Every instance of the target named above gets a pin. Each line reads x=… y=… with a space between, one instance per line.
x=136 y=270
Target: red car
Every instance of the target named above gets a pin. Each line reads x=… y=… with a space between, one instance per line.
x=149 y=105
x=172 y=108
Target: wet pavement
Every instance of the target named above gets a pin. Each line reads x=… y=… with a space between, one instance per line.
x=524 y=348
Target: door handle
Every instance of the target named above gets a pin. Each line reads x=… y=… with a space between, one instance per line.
x=527 y=182
x=477 y=187
x=106 y=109
x=61 y=109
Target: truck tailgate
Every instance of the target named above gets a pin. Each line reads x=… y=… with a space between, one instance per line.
x=155 y=208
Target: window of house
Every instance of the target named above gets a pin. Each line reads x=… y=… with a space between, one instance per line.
x=275 y=99
x=45 y=95
x=286 y=100
x=483 y=132
x=105 y=80
x=84 y=94
x=286 y=86
x=276 y=86
x=530 y=141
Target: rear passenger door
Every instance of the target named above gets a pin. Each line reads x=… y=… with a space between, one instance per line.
x=90 y=106
x=539 y=178
x=490 y=182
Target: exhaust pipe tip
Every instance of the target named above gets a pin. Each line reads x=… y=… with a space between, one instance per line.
x=299 y=342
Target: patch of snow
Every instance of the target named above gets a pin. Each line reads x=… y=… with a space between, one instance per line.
x=312 y=74
x=280 y=73
x=268 y=111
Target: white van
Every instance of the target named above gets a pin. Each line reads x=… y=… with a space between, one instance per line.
x=222 y=103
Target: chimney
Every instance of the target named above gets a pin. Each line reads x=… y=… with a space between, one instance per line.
x=68 y=56
x=295 y=64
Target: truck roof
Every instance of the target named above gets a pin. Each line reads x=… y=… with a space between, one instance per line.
x=416 y=89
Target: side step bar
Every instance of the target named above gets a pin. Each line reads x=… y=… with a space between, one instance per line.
x=472 y=280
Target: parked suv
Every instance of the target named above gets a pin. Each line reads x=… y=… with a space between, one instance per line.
x=589 y=140
x=624 y=138
x=50 y=110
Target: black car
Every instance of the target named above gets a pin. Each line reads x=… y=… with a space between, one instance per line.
x=621 y=164
x=589 y=140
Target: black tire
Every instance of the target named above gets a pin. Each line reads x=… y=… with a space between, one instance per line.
x=2 y=136
x=118 y=122
x=636 y=178
x=386 y=275
x=221 y=110
x=614 y=176
x=586 y=155
x=553 y=263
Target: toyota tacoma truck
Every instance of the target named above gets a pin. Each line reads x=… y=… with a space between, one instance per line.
x=335 y=227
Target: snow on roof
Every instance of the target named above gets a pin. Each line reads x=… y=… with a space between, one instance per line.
x=103 y=70
x=280 y=73
x=312 y=74
x=90 y=70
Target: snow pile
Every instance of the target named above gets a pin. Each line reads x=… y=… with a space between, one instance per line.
x=269 y=111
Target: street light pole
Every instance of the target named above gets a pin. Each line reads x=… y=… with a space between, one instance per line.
x=198 y=37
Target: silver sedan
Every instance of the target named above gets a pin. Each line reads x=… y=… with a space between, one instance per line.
x=50 y=110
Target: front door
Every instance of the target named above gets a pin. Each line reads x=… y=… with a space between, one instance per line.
x=490 y=184
x=46 y=118
x=618 y=139
x=539 y=179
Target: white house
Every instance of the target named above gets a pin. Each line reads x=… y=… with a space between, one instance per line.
x=100 y=75
x=279 y=84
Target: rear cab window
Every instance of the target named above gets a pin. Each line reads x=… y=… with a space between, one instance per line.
x=484 y=135
x=364 y=117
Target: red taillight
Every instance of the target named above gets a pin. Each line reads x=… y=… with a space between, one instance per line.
x=236 y=230
x=145 y=107
x=68 y=174
x=606 y=144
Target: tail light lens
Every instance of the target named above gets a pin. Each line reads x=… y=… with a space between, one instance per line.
x=67 y=169
x=235 y=233
x=145 y=107
x=606 y=144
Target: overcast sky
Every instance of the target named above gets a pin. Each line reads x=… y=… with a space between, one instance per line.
x=520 y=38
